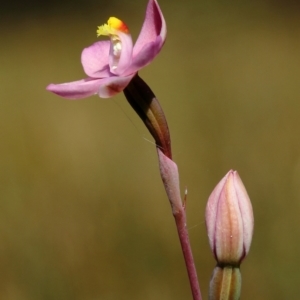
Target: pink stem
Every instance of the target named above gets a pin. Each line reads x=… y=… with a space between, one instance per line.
x=144 y=102
x=180 y=219
x=170 y=177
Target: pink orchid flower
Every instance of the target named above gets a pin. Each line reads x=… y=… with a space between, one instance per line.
x=110 y=65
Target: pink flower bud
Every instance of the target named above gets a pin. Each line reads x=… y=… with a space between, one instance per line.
x=229 y=220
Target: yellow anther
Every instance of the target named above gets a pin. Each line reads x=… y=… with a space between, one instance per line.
x=113 y=25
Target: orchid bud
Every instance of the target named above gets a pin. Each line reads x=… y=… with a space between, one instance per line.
x=229 y=220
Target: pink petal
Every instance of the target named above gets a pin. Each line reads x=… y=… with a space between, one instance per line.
x=76 y=89
x=126 y=54
x=212 y=210
x=154 y=26
x=94 y=59
x=146 y=55
x=113 y=85
x=229 y=224
x=246 y=210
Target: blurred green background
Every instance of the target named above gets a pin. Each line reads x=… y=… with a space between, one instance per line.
x=83 y=213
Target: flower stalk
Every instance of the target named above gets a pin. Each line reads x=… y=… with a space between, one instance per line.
x=146 y=105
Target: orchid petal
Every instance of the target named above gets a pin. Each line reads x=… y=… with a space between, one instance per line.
x=113 y=85
x=94 y=59
x=212 y=211
x=229 y=224
x=246 y=211
x=146 y=55
x=126 y=54
x=154 y=26
x=76 y=89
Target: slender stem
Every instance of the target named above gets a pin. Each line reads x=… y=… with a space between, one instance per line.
x=180 y=219
x=143 y=101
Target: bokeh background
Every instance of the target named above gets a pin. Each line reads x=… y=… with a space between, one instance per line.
x=83 y=213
